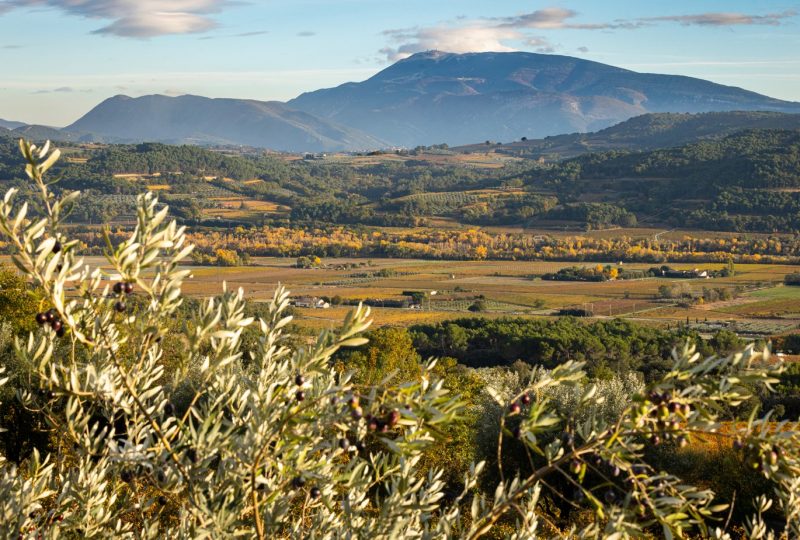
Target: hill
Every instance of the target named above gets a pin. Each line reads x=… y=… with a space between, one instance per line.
x=200 y=120
x=745 y=182
x=8 y=124
x=645 y=132
x=756 y=159
x=748 y=181
x=44 y=133
x=436 y=97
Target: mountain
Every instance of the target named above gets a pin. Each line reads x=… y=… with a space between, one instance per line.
x=647 y=132
x=8 y=124
x=436 y=97
x=45 y=133
x=200 y=120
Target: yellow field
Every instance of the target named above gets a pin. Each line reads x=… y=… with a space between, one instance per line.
x=506 y=286
x=507 y=289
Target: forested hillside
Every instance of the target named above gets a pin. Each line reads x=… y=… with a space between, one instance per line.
x=746 y=181
x=645 y=132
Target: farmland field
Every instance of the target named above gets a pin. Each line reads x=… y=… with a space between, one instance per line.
x=507 y=288
x=510 y=289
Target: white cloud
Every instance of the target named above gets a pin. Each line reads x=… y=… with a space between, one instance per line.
x=472 y=38
x=137 y=18
x=504 y=33
x=726 y=19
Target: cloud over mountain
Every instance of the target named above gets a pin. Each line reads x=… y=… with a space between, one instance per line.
x=505 y=34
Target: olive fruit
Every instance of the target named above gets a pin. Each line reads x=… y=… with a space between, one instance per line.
x=525 y=399
x=57 y=247
x=300 y=395
x=315 y=493
x=118 y=287
x=655 y=440
x=298 y=482
x=119 y=306
x=41 y=318
x=299 y=380
x=127 y=287
x=773 y=458
x=514 y=408
x=673 y=407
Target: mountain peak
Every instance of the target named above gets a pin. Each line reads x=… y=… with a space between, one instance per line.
x=434 y=96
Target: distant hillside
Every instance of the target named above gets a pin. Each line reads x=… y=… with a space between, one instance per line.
x=44 y=133
x=436 y=97
x=750 y=159
x=645 y=132
x=199 y=120
x=8 y=124
x=748 y=181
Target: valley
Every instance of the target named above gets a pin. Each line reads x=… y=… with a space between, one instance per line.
x=438 y=270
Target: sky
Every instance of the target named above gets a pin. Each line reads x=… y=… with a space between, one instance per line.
x=60 y=58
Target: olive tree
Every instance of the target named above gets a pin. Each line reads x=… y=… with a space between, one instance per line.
x=277 y=443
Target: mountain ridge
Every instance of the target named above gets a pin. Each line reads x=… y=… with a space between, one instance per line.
x=427 y=98
x=11 y=125
x=216 y=121
x=435 y=97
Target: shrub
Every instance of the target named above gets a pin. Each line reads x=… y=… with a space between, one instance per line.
x=278 y=443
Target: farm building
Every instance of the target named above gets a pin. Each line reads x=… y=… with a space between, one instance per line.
x=310 y=302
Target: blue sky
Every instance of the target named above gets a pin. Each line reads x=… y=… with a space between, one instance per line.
x=59 y=58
